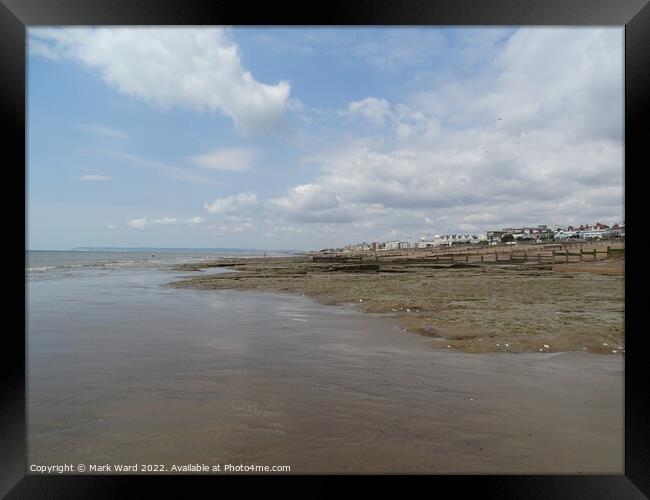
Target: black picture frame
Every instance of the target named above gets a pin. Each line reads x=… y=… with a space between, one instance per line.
x=634 y=15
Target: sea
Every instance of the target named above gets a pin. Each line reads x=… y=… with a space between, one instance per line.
x=54 y=264
x=125 y=370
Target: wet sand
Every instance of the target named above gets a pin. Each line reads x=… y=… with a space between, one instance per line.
x=132 y=372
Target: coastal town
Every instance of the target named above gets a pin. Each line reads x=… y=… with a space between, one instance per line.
x=508 y=236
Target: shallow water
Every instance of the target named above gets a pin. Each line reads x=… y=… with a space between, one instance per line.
x=123 y=370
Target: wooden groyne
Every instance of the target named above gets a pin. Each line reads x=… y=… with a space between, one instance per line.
x=337 y=258
x=547 y=254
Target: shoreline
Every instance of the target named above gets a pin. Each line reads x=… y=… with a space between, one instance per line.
x=473 y=309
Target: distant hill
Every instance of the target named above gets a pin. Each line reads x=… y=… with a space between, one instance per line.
x=181 y=250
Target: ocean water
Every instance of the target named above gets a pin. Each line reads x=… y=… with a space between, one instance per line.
x=48 y=264
x=125 y=370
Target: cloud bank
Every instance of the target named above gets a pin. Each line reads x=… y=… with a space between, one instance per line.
x=198 y=69
x=536 y=137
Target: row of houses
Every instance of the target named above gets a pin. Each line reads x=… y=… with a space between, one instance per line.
x=557 y=232
x=493 y=237
x=437 y=240
x=597 y=231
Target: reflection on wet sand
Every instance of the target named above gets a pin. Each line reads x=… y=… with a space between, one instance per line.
x=125 y=371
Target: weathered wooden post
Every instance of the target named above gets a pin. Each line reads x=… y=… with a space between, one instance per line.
x=553 y=257
x=566 y=257
x=481 y=257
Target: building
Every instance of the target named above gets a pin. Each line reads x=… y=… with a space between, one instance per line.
x=616 y=231
x=591 y=232
x=564 y=234
x=494 y=237
x=407 y=244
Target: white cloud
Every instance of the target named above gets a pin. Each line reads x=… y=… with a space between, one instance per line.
x=566 y=80
x=102 y=130
x=195 y=221
x=307 y=197
x=165 y=221
x=232 y=160
x=196 y=68
x=42 y=49
x=138 y=223
x=144 y=223
x=311 y=203
x=374 y=110
x=233 y=203
x=95 y=178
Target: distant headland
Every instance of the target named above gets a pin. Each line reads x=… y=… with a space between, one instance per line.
x=183 y=250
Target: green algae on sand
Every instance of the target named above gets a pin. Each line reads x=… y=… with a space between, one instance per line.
x=477 y=308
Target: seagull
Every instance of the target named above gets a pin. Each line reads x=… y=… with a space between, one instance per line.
x=499 y=118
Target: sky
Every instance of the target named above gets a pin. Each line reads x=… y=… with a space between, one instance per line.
x=305 y=138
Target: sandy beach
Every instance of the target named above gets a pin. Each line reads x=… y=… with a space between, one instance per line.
x=323 y=249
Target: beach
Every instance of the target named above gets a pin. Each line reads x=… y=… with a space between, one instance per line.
x=327 y=250
x=125 y=368
x=469 y=307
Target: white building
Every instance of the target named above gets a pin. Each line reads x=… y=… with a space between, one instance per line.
x=615 y=230
x=407 y=244
x=563 y=234
x=442 y=240
x=592 y=233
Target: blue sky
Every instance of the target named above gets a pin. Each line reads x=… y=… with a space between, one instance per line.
x=310 y=138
